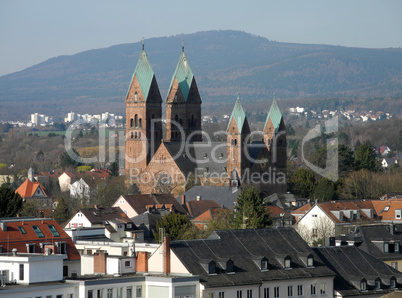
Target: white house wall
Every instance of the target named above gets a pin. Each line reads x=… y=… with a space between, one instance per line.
x=79 y=220
x=126 y=207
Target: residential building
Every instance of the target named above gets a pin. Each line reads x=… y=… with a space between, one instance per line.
x=273 y=262
x=39 y=236
x=358 y=273
x=31 y=188
x=113 y=221
x=382 y=241
x=134 y=205
x=332 y=218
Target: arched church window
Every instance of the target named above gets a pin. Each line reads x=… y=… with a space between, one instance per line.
x=131 y=122
x=135 y=96
x=140 y=122
x=132 y=134
x=139 y=135
x=136 y=120
x=235 y=142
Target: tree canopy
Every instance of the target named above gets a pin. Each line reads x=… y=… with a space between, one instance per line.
x=10 y=202
x=175 y=225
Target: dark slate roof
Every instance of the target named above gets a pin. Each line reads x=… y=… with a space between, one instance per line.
x=371 y=239
x=140 y=202
x=283 y=201
x=100 y=215
x=352 y=265
x=246 y=248
x=147 y=222
x=225 y=196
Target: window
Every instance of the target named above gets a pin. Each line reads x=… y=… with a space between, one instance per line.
x=229 y=266
x=127 y=263
x=314 y=215
x=392 y=283
x=129 y=292
x=276 y=292
x=249 y=293
x=394 y=265
x=386 y=247
x=315 y=232
x=377 y=284
x=109 y=293
x=363 y=285
x=21 y=271
x=310 y=261
x=30 y=248
x=62 y=247
x=211 y=267
x=53 y=230
x=313 y=290
x=300 y=290
x=287 y=263
x=138 y=292
x=38 y=231
x=290 y=291
x=322 y=289
x=221 y=295
x=59 y=296
x=266 y=292
x=264 y=264
x=100 y=293
x=210 y=295
x=21 y=230
x=239 y=294
x=396 y=247
x=120 y=293
x=90 y=293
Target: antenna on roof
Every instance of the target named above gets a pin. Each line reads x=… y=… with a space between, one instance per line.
x=143 y=43
x=182 y=45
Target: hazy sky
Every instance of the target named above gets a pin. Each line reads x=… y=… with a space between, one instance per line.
x=32 y=31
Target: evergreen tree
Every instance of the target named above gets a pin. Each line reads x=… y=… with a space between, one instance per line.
x=365 y=158
x=174 y=224
x=10 y=202
x=61 y=213
x=250 y=211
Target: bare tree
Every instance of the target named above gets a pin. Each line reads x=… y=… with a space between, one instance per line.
x=315 y=233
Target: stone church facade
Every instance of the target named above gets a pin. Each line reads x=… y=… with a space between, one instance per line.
x=158 y=162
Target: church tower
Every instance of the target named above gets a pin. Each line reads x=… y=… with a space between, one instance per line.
x=143 y=117
x=237 y=132
x=183 y=104
x=274 y=134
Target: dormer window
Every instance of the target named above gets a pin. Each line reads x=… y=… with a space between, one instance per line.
x=386 y=247
x=212 y=267
x=398 y=213
x=288 y=263
x=378 y=284
x=363 y=285
x=264 y=264
x=229 y=266
x=310 y=261
x=392 y=283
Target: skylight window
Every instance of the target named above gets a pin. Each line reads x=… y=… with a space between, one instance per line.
x=53 y=230
x=386 y=208
x=38 y=231
x=22 y=230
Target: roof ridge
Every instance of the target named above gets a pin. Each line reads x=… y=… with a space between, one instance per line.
x=238 y=114
x=275 y=115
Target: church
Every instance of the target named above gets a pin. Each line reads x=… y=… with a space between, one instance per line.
x=163 y=155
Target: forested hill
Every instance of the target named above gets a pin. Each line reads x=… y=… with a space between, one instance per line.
x=223 y=62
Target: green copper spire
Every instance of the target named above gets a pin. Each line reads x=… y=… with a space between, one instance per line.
x=238 y=114
x=183 y=74
x=144 y=73
x=275 y=115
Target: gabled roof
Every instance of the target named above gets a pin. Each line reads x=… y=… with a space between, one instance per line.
x=196 y=208
x=28 y=189
x=275 y=115
x=139 y=202
x=100 y=215
x=238 y=115
x=243 y=247
x=352 y=265
x=225 y=196
x=184 y=76
x=386 y=209
x=144 y=73
x=12 y=237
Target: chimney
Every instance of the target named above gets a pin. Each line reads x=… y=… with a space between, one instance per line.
x=3 y=225
x=166 y=255
x=142 y=261
x=198 y=198
x=100 y=259
x=15 y=251
x=183 y=199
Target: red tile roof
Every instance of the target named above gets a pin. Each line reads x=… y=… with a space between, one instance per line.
x=388 y=213
x=11 y=237
x=28 y=189
x=196 y=208
x=139 y=202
